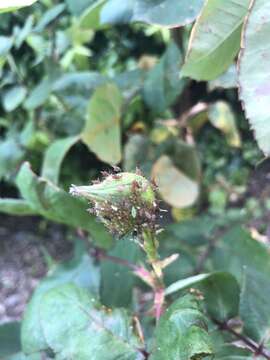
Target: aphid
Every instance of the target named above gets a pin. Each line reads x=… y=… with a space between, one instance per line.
x=138 y=171
x=105 y=173
x=116 y=176
x=133 y=212
x=135 y=186
x=116 y=168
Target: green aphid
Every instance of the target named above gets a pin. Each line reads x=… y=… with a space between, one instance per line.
x=133 y=212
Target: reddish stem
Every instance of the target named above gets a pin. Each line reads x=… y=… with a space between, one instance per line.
x=159 y=302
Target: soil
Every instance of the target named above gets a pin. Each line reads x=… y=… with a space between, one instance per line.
x=25 y=244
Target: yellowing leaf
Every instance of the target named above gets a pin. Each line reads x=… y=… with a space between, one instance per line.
x=222 y=117
x=175 y=187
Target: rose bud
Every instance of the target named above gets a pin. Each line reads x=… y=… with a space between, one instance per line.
x=124 y=202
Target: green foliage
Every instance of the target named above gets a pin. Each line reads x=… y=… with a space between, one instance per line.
x=103 y=124
x=9 y=339
x=163 y=84
x=55 y=204
x=215 y=39
x=54 y=156
x=87 y=84
x=89 y=327
x=113 y=275
x=75 y=272
x=164 y=12
x=254 y=90
x=187 y=326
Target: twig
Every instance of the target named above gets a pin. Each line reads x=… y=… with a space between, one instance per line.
x=101 y=255
x=257 y=349
x=145 y=353
x=150 y=278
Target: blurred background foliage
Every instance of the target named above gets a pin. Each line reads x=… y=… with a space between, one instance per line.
x=84 y=86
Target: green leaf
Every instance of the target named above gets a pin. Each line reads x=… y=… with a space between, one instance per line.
x=102 y=132
x=182 y=332
x=254 y=304
x=76 y=7
x=175 y=187
x=170 y=13
x=185 y=283
x=215 y=39
x=11 y=155
x=224 y=350
x=55 y=204
x=185 y=157
x=136 y=152
x=221 y=116
x=221 y=295
x=9 y=339
x=24 y=32
x=38 y=95
x=220 y=291
x=80 y=271
x=115 y=12
x=21 y=356
x=238 y=250
x=90 y=18
x=54 y=157
x=13 y=97
x=49 y=16
x=247 y=259
x=163 y=84
x=194 y=232
x=228 y=80
x=85 y=81
x=113 y=294
x=12 y=5
x=5 y=44
x=130 y=82
x=15 y=207
x=253 y=65
x=91 y=331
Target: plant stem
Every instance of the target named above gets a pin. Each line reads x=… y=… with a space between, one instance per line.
x=101 y=254
x=257 y=349
x=150 y=246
